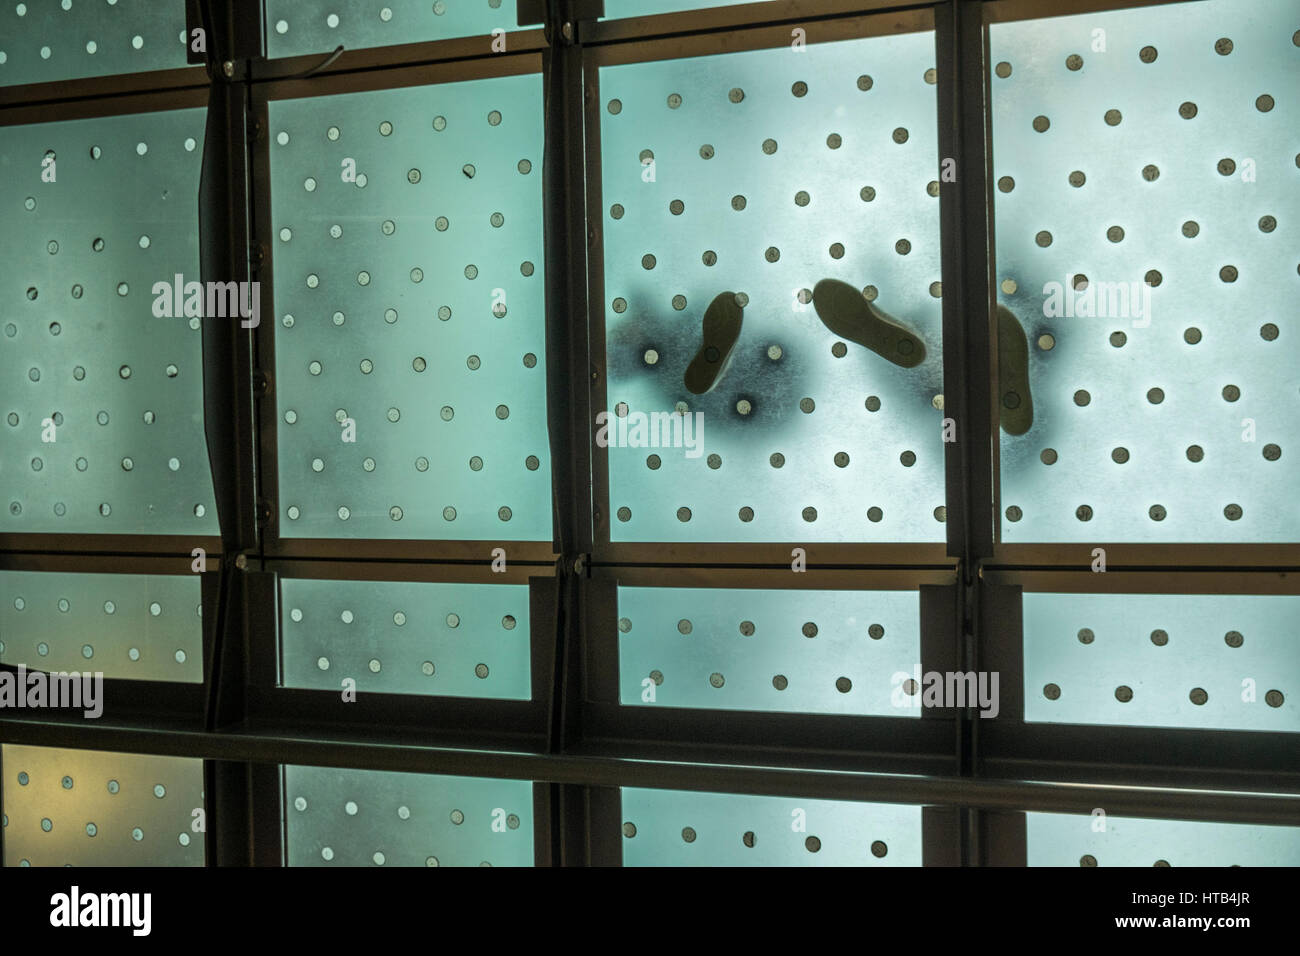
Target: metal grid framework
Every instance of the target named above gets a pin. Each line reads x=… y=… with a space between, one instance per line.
x=574 y=741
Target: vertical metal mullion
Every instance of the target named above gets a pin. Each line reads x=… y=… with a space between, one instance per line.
x=228 y=805
x=570 y=825
x=604 y=810
x=568 y=395
x=265 y=807
x=565 y=227
x=223 y=203
x=224 y=231
x=966 y=241
x=223 y=251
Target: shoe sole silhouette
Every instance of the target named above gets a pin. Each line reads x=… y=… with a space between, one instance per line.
x=845 y=312
x=722 y=321
x=1015 y=404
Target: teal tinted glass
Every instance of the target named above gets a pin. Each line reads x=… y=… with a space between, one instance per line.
x=43 y=40
x=1222 y=661
x=1060 y=839
x=295 y=27
x=407 y=637
x=101 y=376
x=680 y=828
x=829 y=652
x=1146 y=212
x=409 y=312
x=125 y=626
x=751 y=178
x=377 y=818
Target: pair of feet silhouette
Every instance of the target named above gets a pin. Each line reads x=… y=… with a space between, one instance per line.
x=841 y=308
x=848 y=315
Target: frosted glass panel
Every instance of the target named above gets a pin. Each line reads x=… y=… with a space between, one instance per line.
x=1146 y=249
x=410 y=313
x=1059 y=839
x=377 y=818
x=42 y=41
x=125 y=626
x=295 y=27
x=96 y=808
x=805 y=651
x=1220 y=661
x=101 y=380
x=681 y=828
x=796 y=195
x=407 y=637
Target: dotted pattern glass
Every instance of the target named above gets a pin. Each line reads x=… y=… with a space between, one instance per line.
x=380 y=818
x=1141 y=659
x=410 y=360
x=1063 y=839
x=826 y=652
x=402 y=637
x=96 y=808
x=127 y=626
x=1144 y=232
x=101 y=382
x=696 y=205
x=682 y=828
x=42 y=41
x=296 y=27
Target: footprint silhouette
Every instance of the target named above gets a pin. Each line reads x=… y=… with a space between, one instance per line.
x=721 y=326
x=845 y=312
x=1015 y=404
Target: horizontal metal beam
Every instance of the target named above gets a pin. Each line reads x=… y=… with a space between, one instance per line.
x=585 y=770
